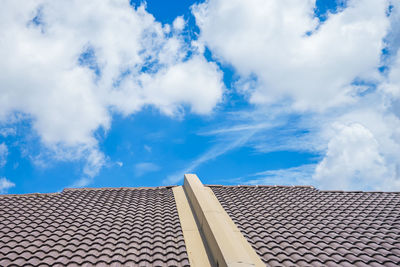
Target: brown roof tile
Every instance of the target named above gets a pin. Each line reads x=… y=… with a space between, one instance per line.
x=92 y=227
x=307 y=227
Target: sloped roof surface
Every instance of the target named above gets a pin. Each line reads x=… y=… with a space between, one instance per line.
x=129 y=227
x=303 y=226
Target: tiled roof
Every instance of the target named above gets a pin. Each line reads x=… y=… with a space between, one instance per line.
x=102 y=227
x=286 y=226
x=303 y=226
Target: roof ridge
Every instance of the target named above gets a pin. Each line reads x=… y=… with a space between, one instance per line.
x=116 y=188
x=356 y=191
x=30 y=194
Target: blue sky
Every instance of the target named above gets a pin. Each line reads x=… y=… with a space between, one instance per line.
x=138 y=93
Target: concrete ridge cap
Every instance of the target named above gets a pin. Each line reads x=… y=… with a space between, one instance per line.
x=195 y=246
x=227 y=245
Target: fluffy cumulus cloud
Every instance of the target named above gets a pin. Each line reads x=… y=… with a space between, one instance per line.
x=5 y=184
x=68 y=65
x=341 y=74
x=195 y=83
x=353 y=158
x=291 y=52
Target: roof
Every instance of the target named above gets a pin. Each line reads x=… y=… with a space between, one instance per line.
x=126 y=226
x=303 y=226
x=200 y=226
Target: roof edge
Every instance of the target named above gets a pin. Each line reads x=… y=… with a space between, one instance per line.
x=207 y=185
x=358 y=191
x=274 y=186
x=303 y=186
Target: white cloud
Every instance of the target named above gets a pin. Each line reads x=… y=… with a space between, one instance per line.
x=82 y=182
x=68 y=64
x=196 y=83
x=392 y=86
x=145 y=167
x=179 y=23
x=5 y=185
x=393 y=38
x=95 y=160
x=359 y=148
x=291 y=53
x=3 y=154
x=239 y=128
x=8 y=131
x=119 y=163
x=354 y=158
x=362 y=152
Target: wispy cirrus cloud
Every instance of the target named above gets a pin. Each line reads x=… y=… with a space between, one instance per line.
x=299 y=175
x=143 y=168
x=214 y=152
x=235 y=130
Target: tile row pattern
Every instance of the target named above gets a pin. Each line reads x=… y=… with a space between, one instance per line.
x=302 y=226
x=86 y=227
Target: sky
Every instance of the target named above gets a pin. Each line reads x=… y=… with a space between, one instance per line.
x=137 y=93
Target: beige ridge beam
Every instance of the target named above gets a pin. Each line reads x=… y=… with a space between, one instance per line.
x=195 y=247
x=225 y=242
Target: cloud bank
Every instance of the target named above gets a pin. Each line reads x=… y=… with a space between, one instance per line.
x=68 y=69
x=341 y=74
